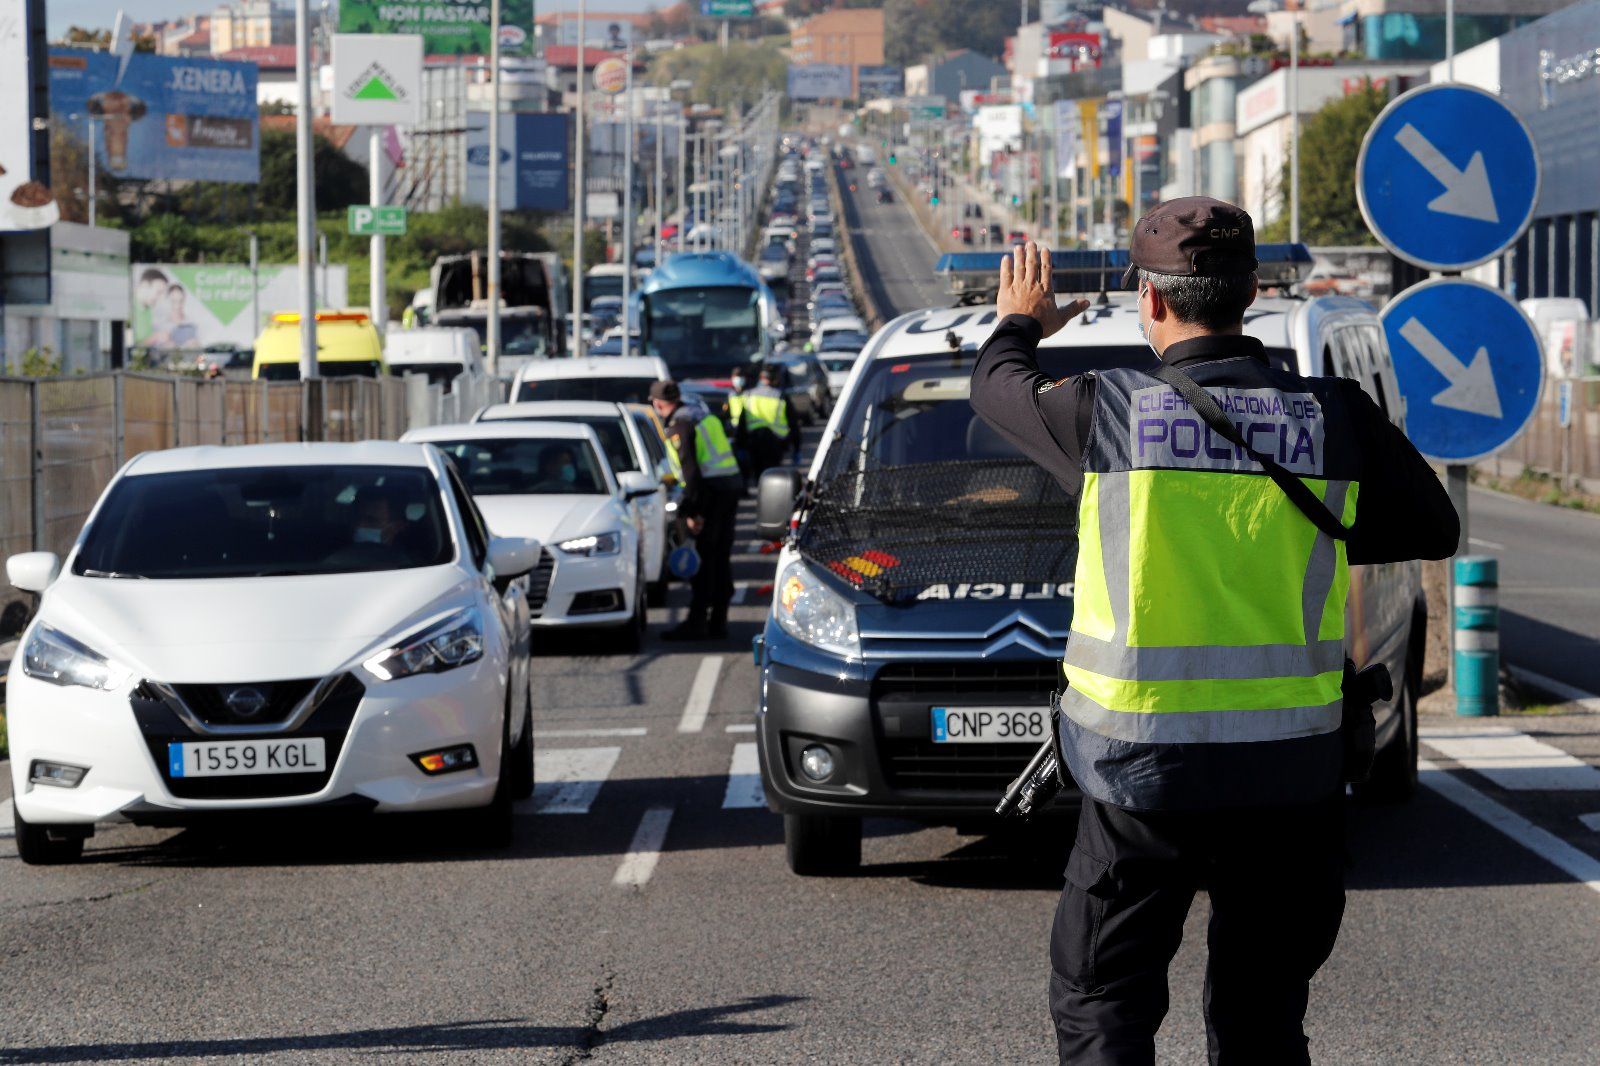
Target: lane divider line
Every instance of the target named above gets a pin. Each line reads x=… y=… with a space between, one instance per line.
x=1590 y=821
x=1583 y=868
x=566 y=780
x=625 y=731
x=640 y=860
x=7 y=827
x=1512 y=759
x=741 y=727
x=698 y=705
x=744 y=779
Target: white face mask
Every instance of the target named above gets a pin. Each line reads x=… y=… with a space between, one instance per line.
x=1144 y=330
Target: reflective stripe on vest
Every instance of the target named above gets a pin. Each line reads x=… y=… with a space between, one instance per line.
x=764 y=410
x=1208 y=609
x=711 y=449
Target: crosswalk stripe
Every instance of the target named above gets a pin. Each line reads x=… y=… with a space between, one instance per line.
x=626 y=731
x=698 y=705
x=741 y=727
x=744 y=779
x=1512 y=760
x=645 y=850
x=7 y=829
x=566 y=780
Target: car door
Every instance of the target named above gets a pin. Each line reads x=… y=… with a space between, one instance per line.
x=652 y=509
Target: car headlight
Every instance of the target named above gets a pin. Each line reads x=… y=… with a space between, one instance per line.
x=445 y=645
x=810 y=611
x=55 y=658
x=592 y=545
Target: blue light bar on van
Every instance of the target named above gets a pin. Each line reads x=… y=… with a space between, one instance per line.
x=1080 y=270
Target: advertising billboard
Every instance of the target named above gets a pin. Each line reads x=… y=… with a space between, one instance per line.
x=880 y=82
x=819 y=81
x=447 y=27
x=533 y=160
x=159 y=116
x=186 y=306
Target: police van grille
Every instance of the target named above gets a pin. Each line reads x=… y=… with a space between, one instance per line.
x=893 y=531
x=922 y=764
x=957 y=678
x=539 y=582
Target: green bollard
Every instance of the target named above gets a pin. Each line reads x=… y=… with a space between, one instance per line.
x=1477 y=636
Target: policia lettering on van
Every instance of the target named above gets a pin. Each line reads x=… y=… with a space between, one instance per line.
x=1201 y=706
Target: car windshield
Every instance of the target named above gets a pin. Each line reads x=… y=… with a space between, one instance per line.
x=526 y=466
x=774 y=253
x=342 y=368
x=519 y=334
x=703 y=329
x=839 y=366
x=589 y=387
x=267 y=522
x=436 y=373
x=598 y=285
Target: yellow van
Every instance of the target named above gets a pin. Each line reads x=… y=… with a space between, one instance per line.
x=347 y=346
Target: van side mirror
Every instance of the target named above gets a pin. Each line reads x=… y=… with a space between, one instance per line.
x=776 y=494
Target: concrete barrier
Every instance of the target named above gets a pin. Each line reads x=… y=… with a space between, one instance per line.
x=845 y=242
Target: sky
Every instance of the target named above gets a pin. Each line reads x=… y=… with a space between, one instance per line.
x=100 y=13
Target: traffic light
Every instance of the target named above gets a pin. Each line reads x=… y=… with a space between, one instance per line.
x=1015 y=199
x=892 y=159
x=934 y=199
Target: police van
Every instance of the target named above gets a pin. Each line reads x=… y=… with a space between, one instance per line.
x=924 y=589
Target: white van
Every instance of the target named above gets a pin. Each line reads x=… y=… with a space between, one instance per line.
x=442 y=353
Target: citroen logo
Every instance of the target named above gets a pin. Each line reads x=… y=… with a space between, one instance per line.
x=245 y=702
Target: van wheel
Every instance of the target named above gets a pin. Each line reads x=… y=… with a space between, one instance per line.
x=822 y=845
x=1394 y=768
x=630 y=635
x=48 y=845
x=521 y=755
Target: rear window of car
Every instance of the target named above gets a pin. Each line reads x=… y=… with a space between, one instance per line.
x=526 y=466
x=612 y=390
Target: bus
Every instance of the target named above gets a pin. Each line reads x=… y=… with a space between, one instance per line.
x=705 y=313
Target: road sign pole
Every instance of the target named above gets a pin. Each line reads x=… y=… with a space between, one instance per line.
x=1449 y=40
x=1294 y=131
x=1475 y=623
x=627 y=197
x=579 y=196
x=660 y=162
x=305 y=193
x=378 y=302
x=493 y=329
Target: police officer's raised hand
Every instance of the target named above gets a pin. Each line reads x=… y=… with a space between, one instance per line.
x=1026 y=288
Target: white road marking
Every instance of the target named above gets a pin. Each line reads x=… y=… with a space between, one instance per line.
x=625 y=731
x=698 y=705
x=7 y=829
x=740 y=591
x=566 y=780
x=1491 y=545
x=1591 y=821
x=744 y=779
x=741 y=727
x=1511 y=759
x=1552 y=849
x=645 y=851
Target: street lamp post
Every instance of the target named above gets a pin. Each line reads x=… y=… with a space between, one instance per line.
x=1294 y=130
x=492 y=330
x=627 y=195
x=305 y=192
x=579 y=196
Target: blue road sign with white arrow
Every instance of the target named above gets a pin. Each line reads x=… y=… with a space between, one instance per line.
x=1468 y=363
x=1448 y=176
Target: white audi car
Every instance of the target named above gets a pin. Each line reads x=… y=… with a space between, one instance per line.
x=272 y=626
x=551 y=481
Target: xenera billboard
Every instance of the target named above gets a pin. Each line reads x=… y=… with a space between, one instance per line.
x=533 y=160
x=447 y=27
x=159 y=116
x=184 y=307
x=819 y=81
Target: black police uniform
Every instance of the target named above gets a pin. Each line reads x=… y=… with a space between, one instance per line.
x=1259 y=826
x=714 y=500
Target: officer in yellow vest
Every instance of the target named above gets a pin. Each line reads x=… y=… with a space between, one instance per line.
x=712 y=488
x=766 y=422
x=1201 y=703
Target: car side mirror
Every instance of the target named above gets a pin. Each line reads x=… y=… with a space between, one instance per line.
x=776 y=494
x=511 y=557
x=636 y=484
x=33 y=571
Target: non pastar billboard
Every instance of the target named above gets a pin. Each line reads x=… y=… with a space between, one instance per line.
x=159 y=116
x=186 y=306
x=447 y=27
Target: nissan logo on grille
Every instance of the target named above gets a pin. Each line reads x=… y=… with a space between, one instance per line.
x=245 y=702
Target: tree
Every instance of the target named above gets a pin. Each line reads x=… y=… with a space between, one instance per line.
x=733 y=79
x=340 y=181
x=1330 y=142
x=84 y=38
x=922 y=27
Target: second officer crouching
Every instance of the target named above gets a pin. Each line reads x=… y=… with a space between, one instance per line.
x=1202 y=713
x=712 y=488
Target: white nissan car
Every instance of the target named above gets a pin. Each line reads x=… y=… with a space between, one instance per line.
x=551 y=481
x=272 y=626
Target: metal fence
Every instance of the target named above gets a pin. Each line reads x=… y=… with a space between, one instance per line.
x=1570 y=453
x=61 y=439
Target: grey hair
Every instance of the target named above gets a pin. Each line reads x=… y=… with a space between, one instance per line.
x=1212 y=302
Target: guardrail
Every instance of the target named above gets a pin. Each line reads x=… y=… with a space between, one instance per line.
x=860 y=291
x=62 y=439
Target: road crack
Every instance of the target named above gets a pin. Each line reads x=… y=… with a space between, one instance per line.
x=599 y=1006
x=103 y=897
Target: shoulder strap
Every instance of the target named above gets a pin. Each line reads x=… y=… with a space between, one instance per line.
x=1207 y=408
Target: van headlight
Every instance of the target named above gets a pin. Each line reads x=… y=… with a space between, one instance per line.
x=454 y=641
x=56 y=659
x=592 y=545
x=810 y=611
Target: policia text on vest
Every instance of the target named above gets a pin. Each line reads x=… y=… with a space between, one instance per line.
x=1201 y=708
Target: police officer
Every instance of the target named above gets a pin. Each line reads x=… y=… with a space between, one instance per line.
x=712 y=488
x=767 y=422
x=1201 y=711
x=740 y=382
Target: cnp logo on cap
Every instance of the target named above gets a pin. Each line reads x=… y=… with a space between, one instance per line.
x=1193 y=236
